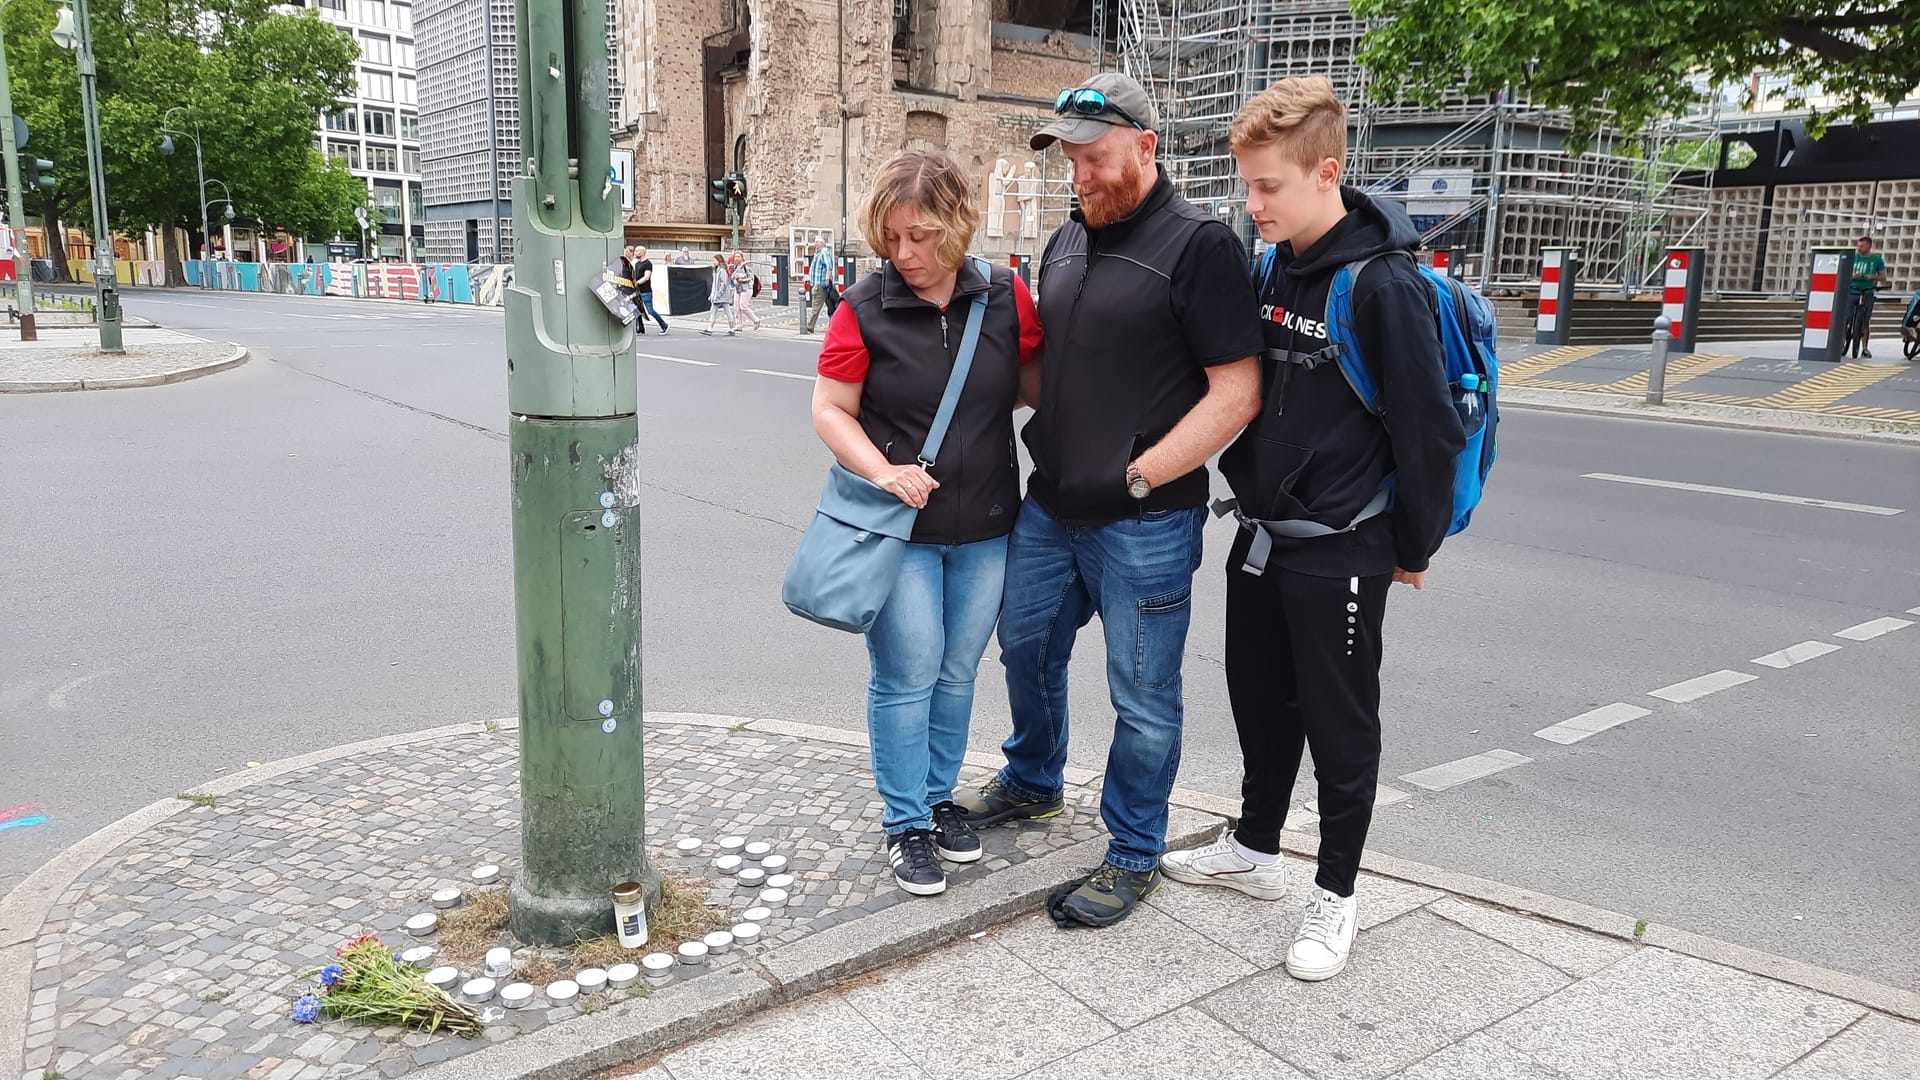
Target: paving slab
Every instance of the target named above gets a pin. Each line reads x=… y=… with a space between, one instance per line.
x=1130 y=972
x=1575 y=952
x=1412 y=987
x=1181 y=1045
x=828 y=1037
x=1875 y=1048
x=69 y=359
x=1657 y=1015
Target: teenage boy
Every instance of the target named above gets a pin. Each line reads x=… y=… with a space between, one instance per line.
x=1869 y=276
x=1350 y=502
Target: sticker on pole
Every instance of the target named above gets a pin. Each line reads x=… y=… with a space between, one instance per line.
x=615 y=292
x=559 y=277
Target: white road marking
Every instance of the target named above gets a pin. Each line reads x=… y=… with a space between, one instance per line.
x=1867 y=631
x=1592 y=722
x=57 y=700
x=779 y=374
x=1913 y=611
x=677 y=360
x=1694 y=689
x=1741 y=493
x=1796 y=654
x=1455 y=773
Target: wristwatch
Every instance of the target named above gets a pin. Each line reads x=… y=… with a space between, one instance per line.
x=1137 y=486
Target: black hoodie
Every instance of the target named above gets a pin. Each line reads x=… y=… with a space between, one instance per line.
x=1315 y=452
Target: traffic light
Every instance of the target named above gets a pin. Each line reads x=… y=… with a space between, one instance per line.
x=36 y=172
x=721 y=192
x=737 y=188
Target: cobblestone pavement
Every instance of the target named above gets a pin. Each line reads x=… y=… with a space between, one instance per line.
x=69 y=358
x=181 y=952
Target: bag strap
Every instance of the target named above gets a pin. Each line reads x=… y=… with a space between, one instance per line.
x=969 y=341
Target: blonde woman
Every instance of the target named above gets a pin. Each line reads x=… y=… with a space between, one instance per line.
x=720 y=296
x=884 y=366
x=743 y=292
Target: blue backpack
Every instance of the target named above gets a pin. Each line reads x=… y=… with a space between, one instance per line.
x=1468 y=334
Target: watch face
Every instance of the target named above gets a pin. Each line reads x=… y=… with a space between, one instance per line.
x=1139 y=488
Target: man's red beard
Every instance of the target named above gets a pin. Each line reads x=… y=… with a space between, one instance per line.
x=1103 y=205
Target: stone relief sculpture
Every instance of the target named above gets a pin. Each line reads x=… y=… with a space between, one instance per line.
x=999 y=184
x=1030 y=188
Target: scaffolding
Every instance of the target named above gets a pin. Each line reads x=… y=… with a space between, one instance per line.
x=1490 y=174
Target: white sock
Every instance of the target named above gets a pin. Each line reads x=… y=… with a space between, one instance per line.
x=1257 y=858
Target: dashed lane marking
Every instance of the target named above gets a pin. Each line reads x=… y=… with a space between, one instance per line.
x=1867 y=631
x=1742 y=493
x=1694 y=689
x=678 y=360
x=1796 y=654
x=1455 y=773
x=779 y=374
x=1592 y=722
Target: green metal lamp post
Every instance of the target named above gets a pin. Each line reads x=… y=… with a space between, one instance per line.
x=10 y=146
x=575 y=489
x=74 y=31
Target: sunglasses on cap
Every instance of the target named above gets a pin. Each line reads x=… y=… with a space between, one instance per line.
x=1088 y=102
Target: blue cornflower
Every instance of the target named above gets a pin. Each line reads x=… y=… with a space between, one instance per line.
x=396 y=956
x=330 y=975
x=307 y=1009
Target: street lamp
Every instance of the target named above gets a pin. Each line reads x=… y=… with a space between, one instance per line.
x=73 y=30
x=16 y=206
x=200 y=166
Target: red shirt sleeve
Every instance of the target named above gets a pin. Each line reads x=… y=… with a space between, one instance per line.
x=1031 y=334
x=843 y=355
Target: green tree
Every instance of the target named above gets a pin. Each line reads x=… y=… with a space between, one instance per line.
x=1637 y=59
x=250 y=80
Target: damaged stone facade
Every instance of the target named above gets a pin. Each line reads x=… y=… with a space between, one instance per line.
x=947 y=74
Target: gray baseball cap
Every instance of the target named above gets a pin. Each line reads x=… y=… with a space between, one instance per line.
x=1122 y=93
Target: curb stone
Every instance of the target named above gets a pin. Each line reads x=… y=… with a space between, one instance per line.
x=238 y=357
x=617 y=1036
x=1702 y=414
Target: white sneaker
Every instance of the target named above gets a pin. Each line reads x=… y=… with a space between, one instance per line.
x=1220 y=863
x=1326 y=937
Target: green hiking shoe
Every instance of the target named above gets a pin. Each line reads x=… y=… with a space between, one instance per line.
x=993 y=804
x=1108 y=895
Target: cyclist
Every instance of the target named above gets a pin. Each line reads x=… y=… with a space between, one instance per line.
x=1869 y=274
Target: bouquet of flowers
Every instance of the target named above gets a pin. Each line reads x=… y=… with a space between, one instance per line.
x=369 y=982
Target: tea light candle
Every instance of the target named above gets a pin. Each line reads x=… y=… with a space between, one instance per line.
x=621 y=976
x=499 y=963
x=478 y=990
x=693 y=953
x=774 y=864
x=688 y=846
x=751 y=877
x=747 y=933
x=563 y=991
x=780 y=881
x=443 y=978
x=759 y=849
x=418 y=956
x=757 y=914
x=727 y=864
x=591 y=980
x=516 y=995
x=773 y=898
x=718 y=942
x=732 y=844
x=658 y=968
x=486 y=875
x=446 y=898
x=423 y=924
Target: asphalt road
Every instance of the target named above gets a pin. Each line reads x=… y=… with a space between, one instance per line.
x=314 y=548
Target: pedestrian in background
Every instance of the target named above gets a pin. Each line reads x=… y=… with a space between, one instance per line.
x=720 y=296
x=743 y=285
x=1869 y=276
x=643 y=286
x=889 y=354
x=820 y=285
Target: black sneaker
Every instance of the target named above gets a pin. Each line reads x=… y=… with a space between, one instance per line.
x=953 y=838
x=915 y=866
x=994 y=804
x=1109 y=895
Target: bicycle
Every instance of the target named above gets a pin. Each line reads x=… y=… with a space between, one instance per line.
x=1857 y=316
x=1910 y=327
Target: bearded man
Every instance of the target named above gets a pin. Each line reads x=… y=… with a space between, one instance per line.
x=1151 y=334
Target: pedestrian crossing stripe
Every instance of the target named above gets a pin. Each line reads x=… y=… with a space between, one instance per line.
x=1679 y=370
x=1543 y=362
x=1828 y=387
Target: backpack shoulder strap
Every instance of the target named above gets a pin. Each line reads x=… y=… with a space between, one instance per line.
x=1339 y=319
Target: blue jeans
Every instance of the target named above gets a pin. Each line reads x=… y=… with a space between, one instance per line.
x=926 y=648
x=646 y=305
x=1137 y=575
